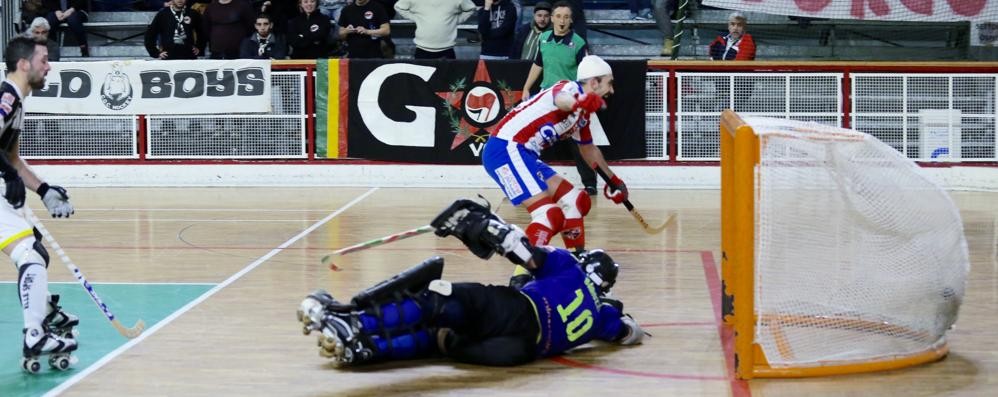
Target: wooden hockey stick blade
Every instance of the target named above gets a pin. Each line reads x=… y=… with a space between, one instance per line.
x=129 y=333
x=644 y=224
x=634 y=212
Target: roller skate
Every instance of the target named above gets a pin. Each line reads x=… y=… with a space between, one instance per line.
x=337 y=337
x=38 y=342
x=313 y=307
x=60 y=322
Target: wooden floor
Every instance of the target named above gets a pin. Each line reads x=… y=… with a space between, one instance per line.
x=261 y=247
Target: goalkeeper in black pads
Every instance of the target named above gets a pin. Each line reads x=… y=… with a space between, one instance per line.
x=415 y=314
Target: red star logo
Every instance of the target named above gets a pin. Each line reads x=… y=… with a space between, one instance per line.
x=480 y=131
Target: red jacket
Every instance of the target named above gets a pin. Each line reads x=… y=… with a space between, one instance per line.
x=741 y=50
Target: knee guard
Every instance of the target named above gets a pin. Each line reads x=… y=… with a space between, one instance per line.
x=28 y=251
x=546 y=219
x=575 y=203
x=410 y=281
x=391 y=316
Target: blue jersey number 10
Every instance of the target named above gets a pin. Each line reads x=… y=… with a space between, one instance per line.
x=581 y=322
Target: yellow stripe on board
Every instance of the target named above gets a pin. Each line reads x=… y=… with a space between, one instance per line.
x=333 y=110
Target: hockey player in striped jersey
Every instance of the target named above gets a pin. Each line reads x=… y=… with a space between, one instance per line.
x=512 y=156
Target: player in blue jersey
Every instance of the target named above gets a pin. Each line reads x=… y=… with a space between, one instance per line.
x=416 y=314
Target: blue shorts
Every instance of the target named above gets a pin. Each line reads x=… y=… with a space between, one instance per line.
x=517 y=170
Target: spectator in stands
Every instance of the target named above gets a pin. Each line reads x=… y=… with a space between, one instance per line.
x=70 y=13
x=496 y=24
x=640 y=9
x=663 y=19
x=176 y=32
x=39 y=30
x=525 y=40
x=387 y=45
x=264 y=44
x=559 y=52
x=280 y=12
x=308 y=33
x=737 y=45
x=226 y=23
x=436 y=25
x=332 y=8
x=363 y=25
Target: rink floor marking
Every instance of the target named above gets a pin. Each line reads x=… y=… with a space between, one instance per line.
x=248 y=268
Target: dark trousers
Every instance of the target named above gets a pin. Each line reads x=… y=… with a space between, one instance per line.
x=491 y=325
x=445 y=54
x=75 y=22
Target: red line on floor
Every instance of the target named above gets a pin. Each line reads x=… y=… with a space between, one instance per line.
x=739 y=388
x=578 y=364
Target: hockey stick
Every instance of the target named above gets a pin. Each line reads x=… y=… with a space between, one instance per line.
x=327 y=260
x=126 y=332
x=634 y=212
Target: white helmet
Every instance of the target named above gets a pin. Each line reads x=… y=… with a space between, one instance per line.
x=592 y=66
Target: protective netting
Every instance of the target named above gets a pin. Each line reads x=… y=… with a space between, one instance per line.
x=79 y=137
x=859 y=257
x=702 y=97
x=279 y=134
x=656 y=115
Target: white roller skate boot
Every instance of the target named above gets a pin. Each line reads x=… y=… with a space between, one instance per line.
x=321 y=312
x=61 y=322
x=312 y=309
x=39 y=342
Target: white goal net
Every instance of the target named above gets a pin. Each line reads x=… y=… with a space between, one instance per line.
x=858 y=256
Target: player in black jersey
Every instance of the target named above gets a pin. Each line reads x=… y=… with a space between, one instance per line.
x=48 y=331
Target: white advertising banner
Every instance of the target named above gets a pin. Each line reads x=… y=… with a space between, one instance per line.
x=154 y=87
x=888 y=10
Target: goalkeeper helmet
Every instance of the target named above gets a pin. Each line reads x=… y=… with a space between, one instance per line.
x=600 y=269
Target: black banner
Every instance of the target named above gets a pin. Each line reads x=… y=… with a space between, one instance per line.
x=443 y=111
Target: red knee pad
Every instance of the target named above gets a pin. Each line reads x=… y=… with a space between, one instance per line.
x=583 y=203
x=547 y=220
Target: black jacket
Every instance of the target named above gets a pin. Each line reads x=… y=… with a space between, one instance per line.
x=496 y=27
x=276 y=48
x=306 y=42
x=159 y=35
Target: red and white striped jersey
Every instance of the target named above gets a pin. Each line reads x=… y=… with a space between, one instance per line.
x=537 y=123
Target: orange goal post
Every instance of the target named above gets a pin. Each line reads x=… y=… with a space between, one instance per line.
x=838 y=254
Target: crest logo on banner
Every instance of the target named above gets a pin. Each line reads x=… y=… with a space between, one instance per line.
x=116 y=92
x=474 y=109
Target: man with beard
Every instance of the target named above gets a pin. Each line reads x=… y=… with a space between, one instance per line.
x=264 y=44
x=527 y=35
x=47 y=329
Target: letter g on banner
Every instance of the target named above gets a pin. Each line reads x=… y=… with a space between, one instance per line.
x=418 y=132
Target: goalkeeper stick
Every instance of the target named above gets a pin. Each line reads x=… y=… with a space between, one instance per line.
x=327 y=260
x=634 y=212
x=126 y=332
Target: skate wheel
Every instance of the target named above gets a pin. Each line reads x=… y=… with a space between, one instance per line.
x=61 y=362
x=31 y=365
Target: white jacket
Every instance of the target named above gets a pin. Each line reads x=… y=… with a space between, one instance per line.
x=436 y=21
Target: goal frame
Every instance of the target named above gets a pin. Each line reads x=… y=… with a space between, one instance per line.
x=740 y=157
